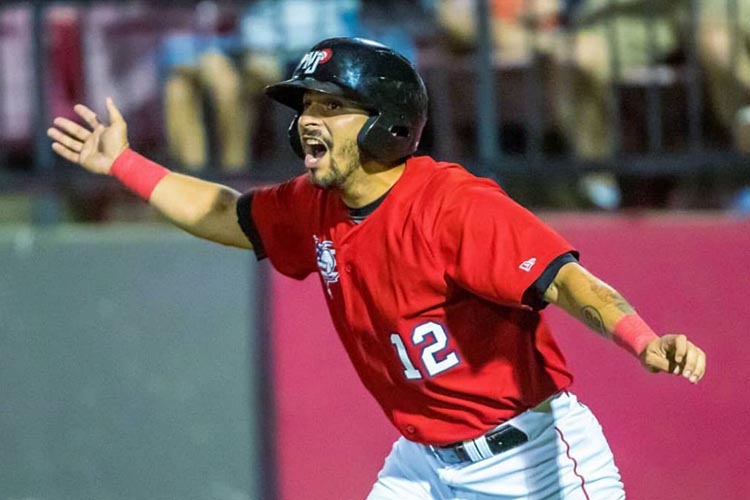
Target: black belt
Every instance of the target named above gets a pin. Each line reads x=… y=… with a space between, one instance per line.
x=497 y=441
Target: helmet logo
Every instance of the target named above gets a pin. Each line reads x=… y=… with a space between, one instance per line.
x=312 y=59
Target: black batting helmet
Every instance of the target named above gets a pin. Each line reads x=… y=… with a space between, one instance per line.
x=374 y=76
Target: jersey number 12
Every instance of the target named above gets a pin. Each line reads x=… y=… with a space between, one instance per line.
x=430 y=352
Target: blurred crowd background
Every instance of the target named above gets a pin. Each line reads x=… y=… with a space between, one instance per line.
x=570 y=104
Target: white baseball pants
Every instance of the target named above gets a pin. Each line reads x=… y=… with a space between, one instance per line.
x=566 y=458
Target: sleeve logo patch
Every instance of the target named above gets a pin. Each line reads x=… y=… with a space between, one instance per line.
x=527 y=264
x=326 y=257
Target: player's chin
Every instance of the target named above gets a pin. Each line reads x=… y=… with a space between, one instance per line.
x=320 y=176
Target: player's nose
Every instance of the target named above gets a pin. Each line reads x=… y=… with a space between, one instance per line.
x=309 y=126
x=308 y=118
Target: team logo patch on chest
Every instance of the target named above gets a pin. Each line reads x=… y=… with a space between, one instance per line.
x=326 y=257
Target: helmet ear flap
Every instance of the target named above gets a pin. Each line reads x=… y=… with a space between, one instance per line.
x=294 y=138
x=363 y=141
x=388 y=144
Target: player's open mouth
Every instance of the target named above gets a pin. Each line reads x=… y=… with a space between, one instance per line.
x=314 y=149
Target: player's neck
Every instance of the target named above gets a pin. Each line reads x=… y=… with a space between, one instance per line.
x=370 y=184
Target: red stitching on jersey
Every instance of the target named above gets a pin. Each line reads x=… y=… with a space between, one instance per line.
x=575 y=463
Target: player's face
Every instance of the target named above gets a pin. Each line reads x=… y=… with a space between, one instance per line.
x=328 y=128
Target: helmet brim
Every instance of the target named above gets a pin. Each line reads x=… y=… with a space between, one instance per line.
x=291 y=92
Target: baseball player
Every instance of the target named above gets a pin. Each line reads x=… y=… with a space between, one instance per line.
x=434 y=279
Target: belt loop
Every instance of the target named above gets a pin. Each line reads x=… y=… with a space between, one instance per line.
x=483 y=447
x=471 y=449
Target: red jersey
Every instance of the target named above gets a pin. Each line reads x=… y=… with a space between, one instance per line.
x=426 y=294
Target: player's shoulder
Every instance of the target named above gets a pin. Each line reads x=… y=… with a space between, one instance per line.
x=301 y=185
x=295 y=189
x=443 y=180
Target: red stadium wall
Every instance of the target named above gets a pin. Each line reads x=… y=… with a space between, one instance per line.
x=671 y=440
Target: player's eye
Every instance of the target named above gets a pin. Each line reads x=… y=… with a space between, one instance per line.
x=333 y=105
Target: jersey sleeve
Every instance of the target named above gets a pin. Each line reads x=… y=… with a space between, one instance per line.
x=277 y=221
x=492 y=246
x=534 y=295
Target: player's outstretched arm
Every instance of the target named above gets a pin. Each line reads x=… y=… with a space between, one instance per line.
x=605 y=311
x=202 y=208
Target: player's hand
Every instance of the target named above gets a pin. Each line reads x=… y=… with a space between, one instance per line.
x=94 y=148
x=675 y=354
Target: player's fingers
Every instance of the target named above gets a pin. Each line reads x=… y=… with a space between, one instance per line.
x=65 y=152
x=64 y=139
x=656 y=359
x=691 y=357
x=72 y=128
x=667 y=352
x=659 y=364
x=114 y=113
x=680 y=348
x=87 y=114
x=700 y=367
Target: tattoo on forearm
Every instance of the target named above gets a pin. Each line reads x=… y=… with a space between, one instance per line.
x=606 y=294
x=593 y=319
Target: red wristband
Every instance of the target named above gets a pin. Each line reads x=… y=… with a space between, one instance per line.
x=633 y=334
x=137 y=173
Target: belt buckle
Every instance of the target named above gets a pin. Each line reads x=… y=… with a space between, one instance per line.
x=505 y=439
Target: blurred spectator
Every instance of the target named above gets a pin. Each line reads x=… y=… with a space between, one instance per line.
x=641 y=35
x=200 y=75
x=518 y=26
x=121 y=46
x=120 y=42
x=521 y=31
x=609 y=42
x=16 y=81
x=727 y=63
x=229 y=70
x=226 y=72
x=398 y=24
x=285 y=29
x=591 y=49
x=64 y=82
x=642 y=43
x=518 y=29
x=742 y=130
